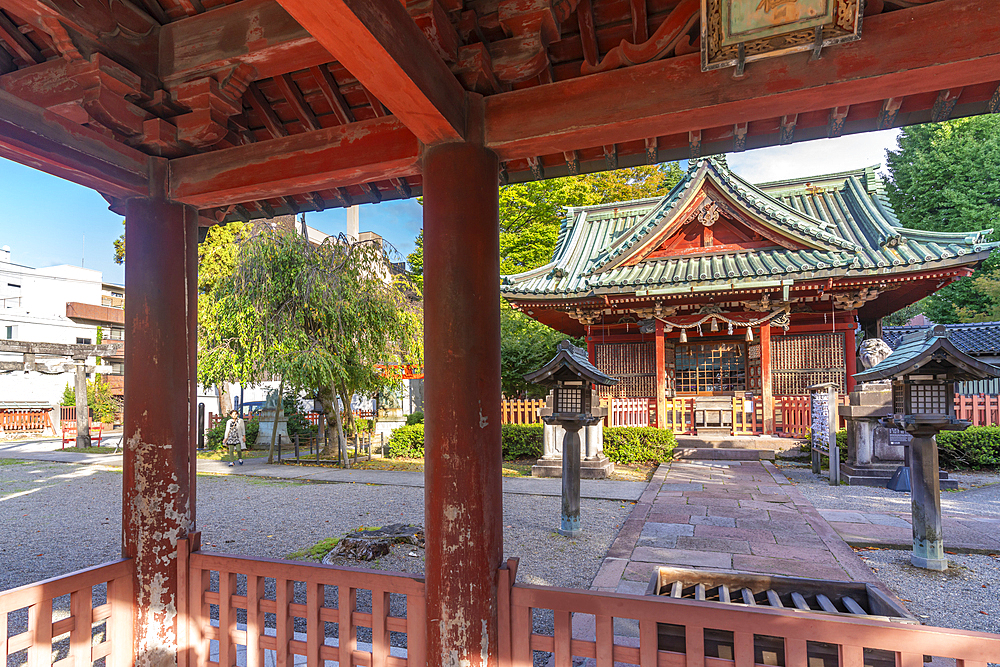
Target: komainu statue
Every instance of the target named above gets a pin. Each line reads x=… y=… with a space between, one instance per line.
x=873 y=351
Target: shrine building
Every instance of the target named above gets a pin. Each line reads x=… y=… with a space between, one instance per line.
x=723 y=302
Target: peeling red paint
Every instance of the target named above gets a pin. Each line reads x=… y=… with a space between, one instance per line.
x=462 y=507
x=158 y=494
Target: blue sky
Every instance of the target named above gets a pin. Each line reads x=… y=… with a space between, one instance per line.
x=48 y=221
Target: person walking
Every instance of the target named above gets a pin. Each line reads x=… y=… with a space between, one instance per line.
x=236 y=436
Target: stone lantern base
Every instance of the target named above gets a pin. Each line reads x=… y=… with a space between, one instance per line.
x=593 y=463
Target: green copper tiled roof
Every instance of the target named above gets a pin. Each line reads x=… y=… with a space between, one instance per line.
x=844 y=218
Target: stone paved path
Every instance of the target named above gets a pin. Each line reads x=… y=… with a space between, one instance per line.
x=741 y=516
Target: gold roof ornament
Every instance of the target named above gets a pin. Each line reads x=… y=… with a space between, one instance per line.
x=735 y=32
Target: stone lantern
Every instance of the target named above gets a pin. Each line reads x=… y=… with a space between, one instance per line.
x=572 y=404
x=924 y=368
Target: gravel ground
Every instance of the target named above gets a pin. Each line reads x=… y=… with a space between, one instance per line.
x=979 y=493
x=64 y=517
x=967 y=595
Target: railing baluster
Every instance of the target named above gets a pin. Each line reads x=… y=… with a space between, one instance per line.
x=315 y=628
x=227 y=619
x=255 y=621
x=284 y=594
x=81 y=609
x=743 y=649
x=694 y=645
x=346 y=631
x=648 y=643
x=561 y=639
x=380 y=631
x=40 y=627
x=521 y=636
x=119 y=628
x=605 y=640
x=795 y=652
x=416 y=630
x=852 y=656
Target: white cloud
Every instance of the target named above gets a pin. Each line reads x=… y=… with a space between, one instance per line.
x=812 y=158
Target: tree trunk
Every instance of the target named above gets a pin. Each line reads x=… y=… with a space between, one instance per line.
x=225 y=400
x=278 y=409
x=345 y=400
x=326 y=397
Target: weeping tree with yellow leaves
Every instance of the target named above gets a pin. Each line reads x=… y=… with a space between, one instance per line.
x=316 y=317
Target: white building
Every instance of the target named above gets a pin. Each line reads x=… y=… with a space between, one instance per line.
x=57 y=304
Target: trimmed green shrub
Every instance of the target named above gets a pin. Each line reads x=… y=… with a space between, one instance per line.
x=407 y=442
x=976 y=447
x=414 y=418
x=214 y=436
x=521 y=441
x=628 y=444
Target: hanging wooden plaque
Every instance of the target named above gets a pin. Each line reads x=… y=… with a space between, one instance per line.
x=735 y=32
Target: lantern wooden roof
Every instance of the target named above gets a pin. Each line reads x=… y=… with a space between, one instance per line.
x=570 y=363
x=264 y=107
x=929 y=352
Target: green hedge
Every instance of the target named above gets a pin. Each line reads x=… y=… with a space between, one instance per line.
x=975 y=447
x=407 y=442
x=214 y=436
x=621 y=444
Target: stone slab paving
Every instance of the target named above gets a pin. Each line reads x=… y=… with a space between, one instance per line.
x=742 y=516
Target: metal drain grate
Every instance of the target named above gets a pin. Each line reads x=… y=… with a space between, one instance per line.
x=805 y=595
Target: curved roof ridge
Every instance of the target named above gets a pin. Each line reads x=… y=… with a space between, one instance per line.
x=859 y=172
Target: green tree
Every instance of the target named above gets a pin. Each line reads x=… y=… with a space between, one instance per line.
x=313 y=316
x=99 y=399
x=416 y=261
x=946 y=177
x=119 y=244
x=525 y=346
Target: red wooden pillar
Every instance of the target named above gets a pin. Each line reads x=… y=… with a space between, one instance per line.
x=158 y=503
x=766 y=394
x=661 y=377
x=463 y=498
x=850 y=358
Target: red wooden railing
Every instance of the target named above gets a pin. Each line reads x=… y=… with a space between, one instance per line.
x=24 y=421
x=223 y=586
x=631 y=411
x=980 y=409
x=591 y=634
x=43 y=640
x=211 y=643
x=521 y=410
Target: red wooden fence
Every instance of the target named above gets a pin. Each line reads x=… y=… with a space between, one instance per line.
x=521 y=410
x=95 y=631
x=980 y=409
x=24 y=421
x=583 y=622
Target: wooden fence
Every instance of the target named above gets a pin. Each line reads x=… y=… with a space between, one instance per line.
x=631 y=411
x=99 y=606
x=584 y=627
x=980 y=409
x=240 y=585
x=216 y=590
x=521 y=410
x=25 y=421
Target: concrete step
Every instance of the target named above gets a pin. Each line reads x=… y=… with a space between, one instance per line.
x=722 y=454
x=737 y=442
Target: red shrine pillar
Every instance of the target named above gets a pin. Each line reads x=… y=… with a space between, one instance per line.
x=661 y=376
x=850 y=356
x=158 y=503
x=766 y=392
x=463 y=498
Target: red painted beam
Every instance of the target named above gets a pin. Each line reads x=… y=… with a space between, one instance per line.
x=370 y=150
x=379 y=43
x=931 y=47
x=37 y=138
x=256 y=32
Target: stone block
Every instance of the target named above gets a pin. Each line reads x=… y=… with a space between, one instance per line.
x=713 y=521
x=666 y=530
x=687 y=557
